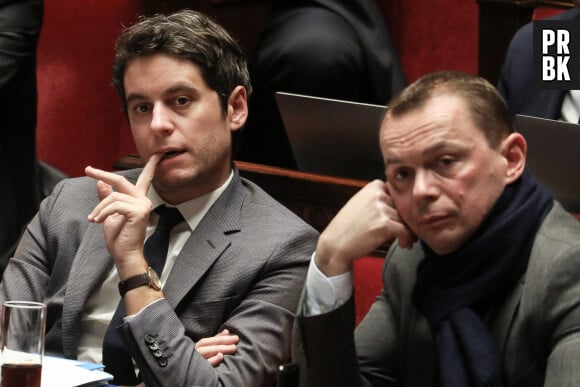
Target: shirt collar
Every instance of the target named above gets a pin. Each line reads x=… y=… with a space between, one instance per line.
x=195 y=209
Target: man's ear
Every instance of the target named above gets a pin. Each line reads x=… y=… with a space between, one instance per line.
x=514 y=148
x=237 y=108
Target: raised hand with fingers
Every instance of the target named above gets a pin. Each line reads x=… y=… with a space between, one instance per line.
x=124 y=211
x=368 y=220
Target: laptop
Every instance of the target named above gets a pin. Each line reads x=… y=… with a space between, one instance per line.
x=333 y=137
x=553 y=156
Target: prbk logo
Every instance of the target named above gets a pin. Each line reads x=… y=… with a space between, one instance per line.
x=557 y=54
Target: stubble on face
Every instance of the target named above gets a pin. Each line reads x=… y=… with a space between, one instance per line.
x=189 y=119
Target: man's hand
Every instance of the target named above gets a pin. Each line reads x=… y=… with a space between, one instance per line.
x=124 y=211
x=214 y=348
x=366 y=221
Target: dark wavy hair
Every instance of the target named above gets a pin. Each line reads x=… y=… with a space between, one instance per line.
x=188 y=35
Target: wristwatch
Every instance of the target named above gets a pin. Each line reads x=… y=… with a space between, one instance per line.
x=149 y=278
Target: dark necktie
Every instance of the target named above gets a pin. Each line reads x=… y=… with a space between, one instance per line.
x=116 y=359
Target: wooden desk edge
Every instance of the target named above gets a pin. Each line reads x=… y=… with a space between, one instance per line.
x=134 y=161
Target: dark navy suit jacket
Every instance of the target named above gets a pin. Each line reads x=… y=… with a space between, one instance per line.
x=516 y=83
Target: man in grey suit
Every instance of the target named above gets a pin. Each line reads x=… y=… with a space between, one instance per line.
x=487 y=294
x=221 y=311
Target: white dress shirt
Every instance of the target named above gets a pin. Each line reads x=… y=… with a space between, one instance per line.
x=570 y=111
x=325 y=294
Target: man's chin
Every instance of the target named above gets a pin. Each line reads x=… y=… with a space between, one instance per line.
x=442 y=244
x=172 y=181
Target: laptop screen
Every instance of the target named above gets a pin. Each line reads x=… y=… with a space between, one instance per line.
x=553 y=156
x=333 y=137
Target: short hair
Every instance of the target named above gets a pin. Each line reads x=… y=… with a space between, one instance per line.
x=486 y=107
x=188 y=35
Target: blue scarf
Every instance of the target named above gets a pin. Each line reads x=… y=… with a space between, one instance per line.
x=450 y=288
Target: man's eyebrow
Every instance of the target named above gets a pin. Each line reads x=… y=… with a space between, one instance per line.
x=392 y=160
x=431 y=149
x=438 y=146
x=178 y=88
x=135 y=97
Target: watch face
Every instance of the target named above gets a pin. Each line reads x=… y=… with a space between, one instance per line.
x=154 y=280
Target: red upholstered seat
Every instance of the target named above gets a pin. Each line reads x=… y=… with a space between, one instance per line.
x=80 y=120
x=433 y=35
x=544 y=12
x=80 y=117
x=367 y=283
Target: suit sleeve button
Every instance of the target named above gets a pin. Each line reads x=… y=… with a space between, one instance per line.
x=154 y=346
x=162 y=361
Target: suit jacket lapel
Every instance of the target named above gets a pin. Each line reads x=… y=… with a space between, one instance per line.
x=196 y=257
x=503 y=322
x=207 y=242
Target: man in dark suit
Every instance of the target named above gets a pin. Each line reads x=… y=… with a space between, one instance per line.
x=487 y=295
x=326 y=48
x=517 y=86
x=222 y=309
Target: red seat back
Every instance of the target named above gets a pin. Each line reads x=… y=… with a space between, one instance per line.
x=368 y=283
x=80 y=116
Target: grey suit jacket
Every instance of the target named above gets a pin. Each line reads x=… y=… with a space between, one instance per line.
x=241 y=269
x=537 y=327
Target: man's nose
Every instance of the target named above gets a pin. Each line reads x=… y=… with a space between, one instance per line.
x=425 y=184
x=161 y=118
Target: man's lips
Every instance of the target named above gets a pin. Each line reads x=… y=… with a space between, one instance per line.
x=170 y=154
x=434 y=220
